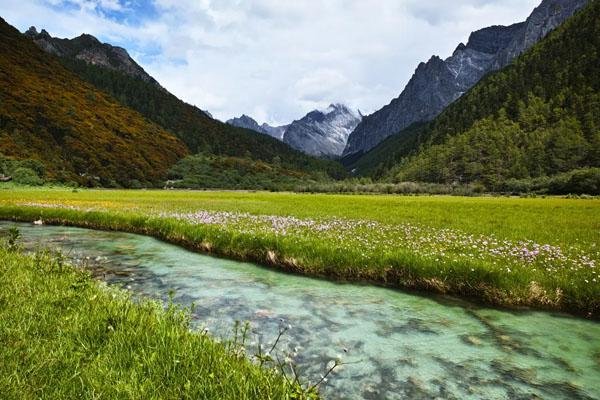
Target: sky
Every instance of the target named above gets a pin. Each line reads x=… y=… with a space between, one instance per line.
x=274 y=60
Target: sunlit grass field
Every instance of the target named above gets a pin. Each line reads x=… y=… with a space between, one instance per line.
x=540 y=252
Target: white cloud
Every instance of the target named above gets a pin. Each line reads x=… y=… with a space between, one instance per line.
x=277 y=59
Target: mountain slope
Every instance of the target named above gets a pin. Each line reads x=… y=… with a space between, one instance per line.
x=275 y=131
x=203 y=171
x=438 y=82
x=78 y=132
x=376 y=162
x=194 y=127
x=538 y=117
x=247 y=122
x=89 y=49
x=322 y=133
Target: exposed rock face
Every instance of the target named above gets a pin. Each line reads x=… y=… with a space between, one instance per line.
x=438 y=82
x=323 y=133
x=249 y=123
x=544 y=19
x=275 y=131
x=245 y=122
x=89 y=49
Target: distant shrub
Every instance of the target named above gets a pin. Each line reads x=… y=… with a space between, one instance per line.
x=579 y=181
x=26 y=176
x=517 y=186
x=71 y=184
x=205 y=171
x=35 y=165
x=135 y=184
x=405 y=188
x=25 y=172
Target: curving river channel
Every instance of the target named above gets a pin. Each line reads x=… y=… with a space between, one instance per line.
x=398 y=345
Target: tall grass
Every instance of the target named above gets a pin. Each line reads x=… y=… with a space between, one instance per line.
x=551 y=220
x=63 y=336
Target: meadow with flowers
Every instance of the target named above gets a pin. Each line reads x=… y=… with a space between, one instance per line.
x=512 y=252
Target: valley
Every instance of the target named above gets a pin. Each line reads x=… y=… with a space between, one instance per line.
x=154 y=245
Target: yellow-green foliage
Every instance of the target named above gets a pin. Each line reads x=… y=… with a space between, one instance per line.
x=78 y=132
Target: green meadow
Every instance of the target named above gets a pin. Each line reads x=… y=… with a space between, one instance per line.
x=535 y=252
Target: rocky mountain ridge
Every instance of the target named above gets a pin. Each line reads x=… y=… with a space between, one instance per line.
x=323 y=133
x=89 y=49
x=247 y=122
x=437 y=83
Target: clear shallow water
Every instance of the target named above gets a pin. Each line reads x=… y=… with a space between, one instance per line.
x=400 y=345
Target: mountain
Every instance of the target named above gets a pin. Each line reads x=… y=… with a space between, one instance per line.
x=245 y=122
x=89 y=49
x=274 y=131
x=249 y=123
x=535 y=121
x=76 y=131
x=322 y=133
x=319 y=133
x=437 y=83
x=200 y=132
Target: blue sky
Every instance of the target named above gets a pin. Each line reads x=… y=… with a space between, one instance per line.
x=274 y=59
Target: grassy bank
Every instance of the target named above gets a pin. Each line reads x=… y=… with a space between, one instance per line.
x=64 y=336
x=503 y=251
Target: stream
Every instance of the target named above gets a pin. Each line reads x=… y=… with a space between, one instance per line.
x=395 y=345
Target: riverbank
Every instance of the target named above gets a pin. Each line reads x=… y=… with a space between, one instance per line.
x=64 y=335
x=539 y=253
x=390 y=343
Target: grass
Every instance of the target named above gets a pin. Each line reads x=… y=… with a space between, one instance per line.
x=65 y=336
x=541 y=253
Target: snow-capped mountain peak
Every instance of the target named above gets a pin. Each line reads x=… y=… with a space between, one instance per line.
x=323 y=132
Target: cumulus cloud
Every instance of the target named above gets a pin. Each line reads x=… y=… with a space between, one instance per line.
x=274 y=59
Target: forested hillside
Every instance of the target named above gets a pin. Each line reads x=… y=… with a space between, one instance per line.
x=538 y=117
x=198 y=131
x=202 y=171
x=77 y=132
x=377 y=162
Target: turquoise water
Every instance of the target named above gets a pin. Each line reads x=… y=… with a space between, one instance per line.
x=398 y=345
